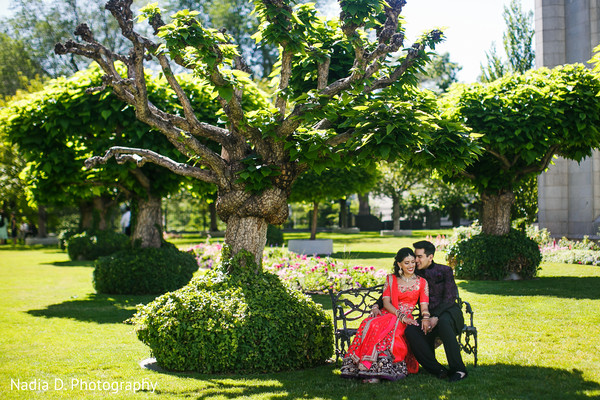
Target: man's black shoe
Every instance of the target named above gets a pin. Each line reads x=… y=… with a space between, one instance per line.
x=458 y=376
x=443 y=374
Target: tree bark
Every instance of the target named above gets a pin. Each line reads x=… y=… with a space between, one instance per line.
x=495 y=213
x=86 y=219
x=396 y=212
x=343 y=214
x=455 y=213
x=363 y=204
x=212 y=208
x=148 y=226
x=93 y=214
x=42 y=222
x=247 y=233
x=313 y=225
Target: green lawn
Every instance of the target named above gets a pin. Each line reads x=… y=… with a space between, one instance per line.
x=539 y=339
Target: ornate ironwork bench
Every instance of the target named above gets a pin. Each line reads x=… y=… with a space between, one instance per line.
x=355 y=304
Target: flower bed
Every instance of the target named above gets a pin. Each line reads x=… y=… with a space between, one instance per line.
x=309 y=274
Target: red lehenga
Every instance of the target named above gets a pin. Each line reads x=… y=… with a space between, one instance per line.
x=379 y=349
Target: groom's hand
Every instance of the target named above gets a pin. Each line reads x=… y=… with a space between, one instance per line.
x=428 y=324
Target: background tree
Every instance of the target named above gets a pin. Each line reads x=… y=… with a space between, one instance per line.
x=37 y=25
x=17 y=68
x=525 y=120
x=439 y=74
x=396 y=180
x=263 y=152
x=57 y=128
x=517 y=43
x=331 y=184
x=520 y=57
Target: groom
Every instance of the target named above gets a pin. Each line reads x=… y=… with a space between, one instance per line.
x=446 y=320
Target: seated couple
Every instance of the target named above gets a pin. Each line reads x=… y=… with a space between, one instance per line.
x=390 y=344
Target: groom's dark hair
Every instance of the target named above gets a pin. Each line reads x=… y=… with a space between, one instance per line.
x=425 y=245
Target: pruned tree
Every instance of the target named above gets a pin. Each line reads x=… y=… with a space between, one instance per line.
x=525 y=120
x=338 y=97
x=57 y=128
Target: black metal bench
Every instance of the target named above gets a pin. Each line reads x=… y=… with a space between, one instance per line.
x=355 y=304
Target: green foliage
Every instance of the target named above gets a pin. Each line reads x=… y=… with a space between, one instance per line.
x=440 y=73
x=235 y=322
x=90 y=245
x=57 y=128
x=526 y=200
x=333 y=184
x=17 y=68
x=257 y=175
x=274 y=236
x=144 y=270
x=478 y=257
x=524 y=120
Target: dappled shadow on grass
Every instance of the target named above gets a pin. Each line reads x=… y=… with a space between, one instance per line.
x=556 y=286
x=486 y=381
x=98 y=308
x=363 y=255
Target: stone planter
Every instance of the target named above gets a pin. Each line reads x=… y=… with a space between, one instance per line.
x=311 y=247
x=346 y=230
x=401 y=232
x=47 y=241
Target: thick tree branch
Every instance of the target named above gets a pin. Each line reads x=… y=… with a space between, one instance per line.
x=501 y=157
x=141 y=178
x=284 y=81
x=544 y=164
x=142 y=156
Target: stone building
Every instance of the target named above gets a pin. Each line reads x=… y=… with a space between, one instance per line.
x=568 y=193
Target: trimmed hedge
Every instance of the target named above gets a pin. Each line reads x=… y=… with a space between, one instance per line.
x=493 y=257
x=236 y=321
x=90 y=245
x=144 y=270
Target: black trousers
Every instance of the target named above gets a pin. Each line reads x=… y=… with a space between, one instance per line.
x=423 y=346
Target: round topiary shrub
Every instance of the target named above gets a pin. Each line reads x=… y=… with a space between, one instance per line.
x=496 y=257
x=144 y=270
x=90 y=245
x=239 y=321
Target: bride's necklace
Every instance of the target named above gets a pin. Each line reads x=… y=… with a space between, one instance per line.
x=407 y=280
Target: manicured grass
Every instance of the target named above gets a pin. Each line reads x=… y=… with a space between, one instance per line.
x=538 y=339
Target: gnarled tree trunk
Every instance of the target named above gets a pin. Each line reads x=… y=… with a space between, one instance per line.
x=495 y=213
x=247 y=216
x=148 y=221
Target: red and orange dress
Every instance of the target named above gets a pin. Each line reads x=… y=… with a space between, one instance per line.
x=379 y=349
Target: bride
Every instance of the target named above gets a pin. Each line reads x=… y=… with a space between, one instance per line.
x=379 y=349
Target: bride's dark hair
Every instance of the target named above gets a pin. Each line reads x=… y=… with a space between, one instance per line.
x=401 y=255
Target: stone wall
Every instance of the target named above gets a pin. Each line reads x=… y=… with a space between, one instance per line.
x=568 y=193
